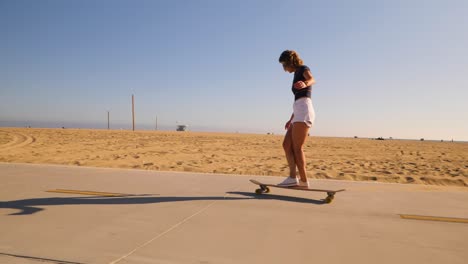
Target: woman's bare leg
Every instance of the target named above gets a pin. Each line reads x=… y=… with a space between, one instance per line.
x=299 y=136
x=288 y=150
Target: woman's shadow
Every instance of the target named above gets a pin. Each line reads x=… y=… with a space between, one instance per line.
x=32 y=206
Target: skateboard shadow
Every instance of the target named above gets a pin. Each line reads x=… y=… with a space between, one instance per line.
x=279 y=197
x=32 y=206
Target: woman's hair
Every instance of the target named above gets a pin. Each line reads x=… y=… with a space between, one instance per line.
x=291 y=58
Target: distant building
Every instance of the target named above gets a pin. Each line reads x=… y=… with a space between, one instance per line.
x=181 y=128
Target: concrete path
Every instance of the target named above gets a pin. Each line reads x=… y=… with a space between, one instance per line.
x=134 y=216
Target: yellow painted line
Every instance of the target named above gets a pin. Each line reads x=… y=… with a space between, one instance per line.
x=435 y=218
x=87 y=192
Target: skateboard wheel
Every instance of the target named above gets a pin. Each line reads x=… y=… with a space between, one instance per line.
x=329 y=199
x=266 y=190
x=259 y=191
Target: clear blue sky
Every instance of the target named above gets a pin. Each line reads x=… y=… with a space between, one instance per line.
x=383 y=68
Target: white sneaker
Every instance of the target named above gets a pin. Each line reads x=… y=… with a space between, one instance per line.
x=289 y=182
x=303 y=184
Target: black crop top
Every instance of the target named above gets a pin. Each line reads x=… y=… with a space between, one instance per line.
x=299 y=76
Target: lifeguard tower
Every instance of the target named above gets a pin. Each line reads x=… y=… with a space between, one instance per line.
x=181 y=128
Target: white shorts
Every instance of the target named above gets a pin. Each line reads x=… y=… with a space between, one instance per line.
x=303 y=111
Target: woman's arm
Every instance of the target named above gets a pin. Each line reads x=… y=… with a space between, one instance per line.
x=309 y=81
x=288 y=124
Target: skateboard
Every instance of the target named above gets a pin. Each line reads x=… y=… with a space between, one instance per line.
x=264 y=189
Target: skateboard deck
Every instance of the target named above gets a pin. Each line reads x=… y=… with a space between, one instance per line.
x=264 y=189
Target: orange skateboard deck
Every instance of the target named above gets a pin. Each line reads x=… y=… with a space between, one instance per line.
x=264 y=189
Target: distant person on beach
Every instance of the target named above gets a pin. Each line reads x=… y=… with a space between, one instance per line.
x=301 y=120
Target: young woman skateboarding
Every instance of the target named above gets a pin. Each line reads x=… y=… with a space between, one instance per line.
x=301 y=120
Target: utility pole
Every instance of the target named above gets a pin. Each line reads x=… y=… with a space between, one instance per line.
x=133 y=112
x=156 y=122
x=108 y=120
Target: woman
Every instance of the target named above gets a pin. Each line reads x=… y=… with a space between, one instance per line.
x=301 y=120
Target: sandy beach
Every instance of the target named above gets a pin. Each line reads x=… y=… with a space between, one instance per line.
x=395 y=161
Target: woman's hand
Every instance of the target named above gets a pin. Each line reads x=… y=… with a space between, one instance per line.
x=288 y=124
x=299 y=85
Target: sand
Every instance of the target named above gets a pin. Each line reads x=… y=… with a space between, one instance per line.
x=395 y=161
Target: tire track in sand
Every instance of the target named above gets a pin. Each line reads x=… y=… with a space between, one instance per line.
x=19 y=140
